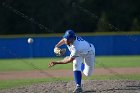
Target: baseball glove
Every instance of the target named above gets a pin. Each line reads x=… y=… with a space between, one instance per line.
x=59 y=52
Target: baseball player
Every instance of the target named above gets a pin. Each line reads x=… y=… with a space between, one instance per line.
x=82 y=54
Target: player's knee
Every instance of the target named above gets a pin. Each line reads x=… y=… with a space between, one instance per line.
x=88 y=74
x=76 y=67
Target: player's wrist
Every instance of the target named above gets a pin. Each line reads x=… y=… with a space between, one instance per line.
x=56 y=46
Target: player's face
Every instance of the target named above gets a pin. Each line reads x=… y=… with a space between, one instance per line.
x=68 y=42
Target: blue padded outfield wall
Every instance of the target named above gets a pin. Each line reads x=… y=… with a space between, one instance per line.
x=43 y=46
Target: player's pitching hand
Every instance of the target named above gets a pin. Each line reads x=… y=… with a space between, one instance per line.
x=51 y=64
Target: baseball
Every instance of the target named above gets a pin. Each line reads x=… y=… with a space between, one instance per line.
x=30 y=40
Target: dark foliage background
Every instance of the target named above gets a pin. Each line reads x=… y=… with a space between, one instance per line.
x=49 y=16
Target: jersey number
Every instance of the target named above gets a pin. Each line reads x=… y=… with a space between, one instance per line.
x=80 y=39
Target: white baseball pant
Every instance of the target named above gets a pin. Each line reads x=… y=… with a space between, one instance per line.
x=88 y=59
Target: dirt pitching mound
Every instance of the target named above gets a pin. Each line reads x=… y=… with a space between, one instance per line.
x=89 y=86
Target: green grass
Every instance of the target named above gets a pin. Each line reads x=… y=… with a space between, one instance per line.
x=115 y=77
x=42 y=63
x=118 y=61
x=4 y=84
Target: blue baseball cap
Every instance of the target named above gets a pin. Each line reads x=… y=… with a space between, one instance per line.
x=69 y=34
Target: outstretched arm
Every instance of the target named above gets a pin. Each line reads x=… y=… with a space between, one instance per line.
x=64 y=61
x=60 y=43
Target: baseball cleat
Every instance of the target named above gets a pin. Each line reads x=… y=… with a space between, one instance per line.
x=78 y=90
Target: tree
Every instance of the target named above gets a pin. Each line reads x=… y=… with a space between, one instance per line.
x=103 y=25
x=135 y=25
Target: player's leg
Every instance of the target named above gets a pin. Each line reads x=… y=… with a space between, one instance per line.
x=77 y=73
x=89 y=62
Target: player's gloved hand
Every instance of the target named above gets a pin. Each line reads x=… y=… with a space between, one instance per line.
x=51 y=64
x=59 y=52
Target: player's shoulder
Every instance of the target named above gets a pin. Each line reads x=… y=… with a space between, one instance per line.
x=79 y=38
